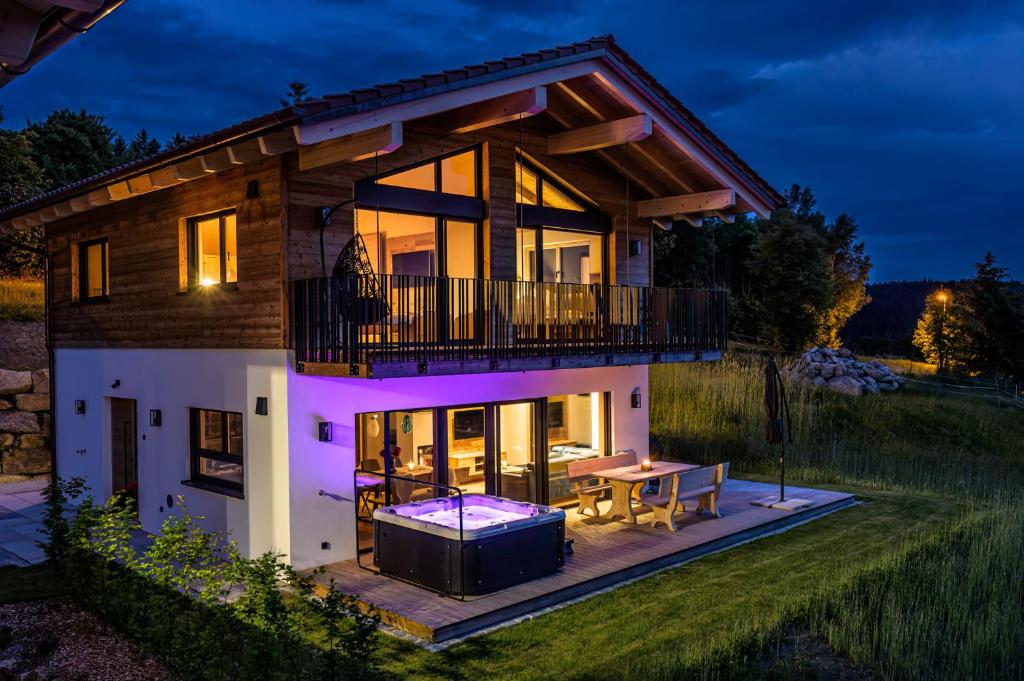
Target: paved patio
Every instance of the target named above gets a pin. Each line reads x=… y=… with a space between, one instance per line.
x=21 y=515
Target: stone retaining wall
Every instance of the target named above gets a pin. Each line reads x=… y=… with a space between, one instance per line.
x=24 y=422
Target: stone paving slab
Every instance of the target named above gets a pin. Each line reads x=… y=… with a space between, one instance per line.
x=21 y=515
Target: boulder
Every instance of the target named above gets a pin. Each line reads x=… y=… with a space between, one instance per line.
x=32 y=441
x=848 y=385
x=25 y=461
x=6 y=403
x=13 y=382
x=18 y=422
x=844 y=353
x=41 y=381
x=828 y=370
x=819 y=381
x=33 y=402
x=887 y=386
x=6 y=440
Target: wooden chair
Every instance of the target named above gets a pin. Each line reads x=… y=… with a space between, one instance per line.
x=591 y=489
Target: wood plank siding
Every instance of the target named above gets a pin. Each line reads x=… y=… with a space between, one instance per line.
x=278 y=239
x=146 y=307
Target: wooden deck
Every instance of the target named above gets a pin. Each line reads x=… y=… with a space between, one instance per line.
x=606 y=553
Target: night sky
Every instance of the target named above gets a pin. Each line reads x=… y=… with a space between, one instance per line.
x=908 y=115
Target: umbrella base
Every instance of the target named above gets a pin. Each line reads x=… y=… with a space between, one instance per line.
x=787 y=505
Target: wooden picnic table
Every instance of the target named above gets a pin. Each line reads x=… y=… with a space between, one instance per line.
x=625 y=478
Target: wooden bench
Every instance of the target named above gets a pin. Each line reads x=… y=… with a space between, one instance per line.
x=703 y=484
x=591 y=489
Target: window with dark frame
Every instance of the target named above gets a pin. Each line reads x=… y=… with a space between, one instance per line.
x=93 y=270
x=212 y=244
x=216 y=450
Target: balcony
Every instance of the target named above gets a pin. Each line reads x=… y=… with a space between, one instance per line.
x=403 y=325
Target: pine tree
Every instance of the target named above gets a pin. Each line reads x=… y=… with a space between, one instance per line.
x=176 y=140
x=997 y=320
x=941 y=331
x=298 y=92
x=142 y=146
x=70 y=146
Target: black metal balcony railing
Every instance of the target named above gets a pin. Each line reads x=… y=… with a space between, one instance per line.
x=423 y=320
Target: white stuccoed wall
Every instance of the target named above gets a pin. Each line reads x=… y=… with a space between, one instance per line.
x=328 y=465
x=173 y=381
x=285 y=464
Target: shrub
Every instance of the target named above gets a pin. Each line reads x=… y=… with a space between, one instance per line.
x=190 y=599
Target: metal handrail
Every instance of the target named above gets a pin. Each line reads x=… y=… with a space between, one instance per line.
x=447 y=488
x=418 y=319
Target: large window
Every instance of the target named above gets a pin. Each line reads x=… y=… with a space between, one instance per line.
x=451 y=174
x=423 y=234
x=212 y=250
x=216 y=451
x=560 y=237
x=93 y=270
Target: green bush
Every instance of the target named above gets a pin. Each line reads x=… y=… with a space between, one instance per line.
x=190 y=599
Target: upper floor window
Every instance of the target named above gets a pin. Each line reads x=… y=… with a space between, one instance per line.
x=93 y=270
x=533 y=189
x=212 y=247
x=453 y=174
x=216 y=451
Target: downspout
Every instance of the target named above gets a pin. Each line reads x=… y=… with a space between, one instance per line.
x=56 y=30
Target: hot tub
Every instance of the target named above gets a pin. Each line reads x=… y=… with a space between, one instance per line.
x=503 y=543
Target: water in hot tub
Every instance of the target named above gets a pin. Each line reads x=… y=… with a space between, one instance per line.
x=473 y=517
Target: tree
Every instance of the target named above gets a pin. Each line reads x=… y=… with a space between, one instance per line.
x=142 y=145
x=20 y=179
x=850 y=268
x=70 y=146
x=997 y=320
x=941 y=330
x=298 y=92
x=793 y=280
x=177 y=140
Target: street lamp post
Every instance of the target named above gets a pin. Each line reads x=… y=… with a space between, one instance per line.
x=944 y=299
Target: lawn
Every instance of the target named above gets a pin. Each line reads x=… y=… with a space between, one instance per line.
x=21 y=299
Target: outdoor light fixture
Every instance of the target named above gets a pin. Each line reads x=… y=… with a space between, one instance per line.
x=261 y=406
x=206 y=281
x=325 y=431
x=634 y=399
x=79 y=406
x=636 y=247
x=116 y=384
x=155 y=417
x=252 y=189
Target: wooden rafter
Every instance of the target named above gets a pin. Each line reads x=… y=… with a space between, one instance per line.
x=355 y=147
x=496 y=111
x=683 y=204
x=608 y=134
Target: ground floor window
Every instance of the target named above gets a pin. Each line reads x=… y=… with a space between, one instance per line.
x=518 y=450
x=216 y=451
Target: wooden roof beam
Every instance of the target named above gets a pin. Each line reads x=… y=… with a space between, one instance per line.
x=683 y=204
x=219 y=160
x=277 y=142
x=355 y=147
x=601 y=135
x=191 y=169
x=245 y=152
x=497 y=111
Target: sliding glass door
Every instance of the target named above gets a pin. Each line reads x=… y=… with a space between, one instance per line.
x=516 y=459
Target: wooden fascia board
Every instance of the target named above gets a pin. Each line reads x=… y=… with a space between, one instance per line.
x=498 y=110
x=613 y=80
x=702 y=202
x=431 y=103
x=608 y=134
x=355 y=147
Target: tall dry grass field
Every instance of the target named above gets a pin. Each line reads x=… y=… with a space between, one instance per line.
x=21 y=299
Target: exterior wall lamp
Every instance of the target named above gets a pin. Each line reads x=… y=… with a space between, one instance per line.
x=79 y=406
x=634 y=399
x=155 y=418
x=261 y=406
x=325 y=431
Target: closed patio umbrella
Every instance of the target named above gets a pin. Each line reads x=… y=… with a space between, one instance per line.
x=776 y=409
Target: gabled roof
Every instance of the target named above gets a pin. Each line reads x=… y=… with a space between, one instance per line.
x=338 y=106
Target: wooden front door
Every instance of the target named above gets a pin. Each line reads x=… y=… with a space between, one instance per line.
x=124 y=449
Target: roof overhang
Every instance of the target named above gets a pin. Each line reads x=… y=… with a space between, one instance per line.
x=605 y=102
